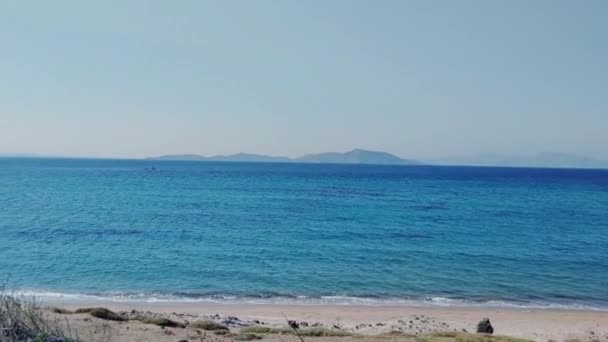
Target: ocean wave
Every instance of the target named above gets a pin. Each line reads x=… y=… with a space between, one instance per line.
x=264 y=299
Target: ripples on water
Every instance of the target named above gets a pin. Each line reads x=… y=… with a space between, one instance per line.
x=305 y=233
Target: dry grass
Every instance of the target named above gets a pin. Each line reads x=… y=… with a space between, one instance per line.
x=24 y=320
x=466 y=337
x=307 y=332
x=322 y=332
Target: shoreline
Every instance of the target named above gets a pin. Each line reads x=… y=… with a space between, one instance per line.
x=423 y=302
x=533 y=324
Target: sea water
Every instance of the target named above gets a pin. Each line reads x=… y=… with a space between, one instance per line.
x=304 y=233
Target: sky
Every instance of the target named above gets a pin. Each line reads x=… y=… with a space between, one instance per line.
x=420 y=79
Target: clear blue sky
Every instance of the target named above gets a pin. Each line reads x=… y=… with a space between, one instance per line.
x=421 y=79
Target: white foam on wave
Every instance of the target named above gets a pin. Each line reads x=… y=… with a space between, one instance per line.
x=117 y=297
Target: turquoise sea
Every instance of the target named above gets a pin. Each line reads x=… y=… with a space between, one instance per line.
x=304 y=233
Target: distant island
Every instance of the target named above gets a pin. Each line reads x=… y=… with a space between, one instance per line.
x=361 y=156
x=356 y=156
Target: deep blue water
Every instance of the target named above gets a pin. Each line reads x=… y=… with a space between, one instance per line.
x=305 y=232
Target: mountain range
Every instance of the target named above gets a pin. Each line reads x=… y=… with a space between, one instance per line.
x=356 y=156
x=360 y=156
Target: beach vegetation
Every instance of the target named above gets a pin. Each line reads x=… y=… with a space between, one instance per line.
x=247 y=337
x=24 y=320
x=160 y=321
x=323 y=332
x=60 y=311
x=308 y=332
x=449 y=336
x=102 y=313
x=208 y=325
x=258 y=329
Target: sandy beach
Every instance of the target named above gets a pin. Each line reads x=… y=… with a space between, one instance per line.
x=363 y=322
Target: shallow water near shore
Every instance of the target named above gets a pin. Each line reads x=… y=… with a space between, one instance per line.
x=135 y=230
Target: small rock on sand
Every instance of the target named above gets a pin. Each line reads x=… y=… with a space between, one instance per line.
x=484 y=326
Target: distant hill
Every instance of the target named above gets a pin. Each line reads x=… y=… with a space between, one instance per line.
x=544 y=159
x=248 y=157
x=356 y=156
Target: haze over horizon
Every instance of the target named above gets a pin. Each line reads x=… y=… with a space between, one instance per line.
x=422 y=80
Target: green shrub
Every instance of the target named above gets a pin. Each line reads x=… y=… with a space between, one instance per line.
x=61 y=311
x=208 y=325
x=247 y=337
x=163 y=322
x=102 y=313
x=258 y=329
